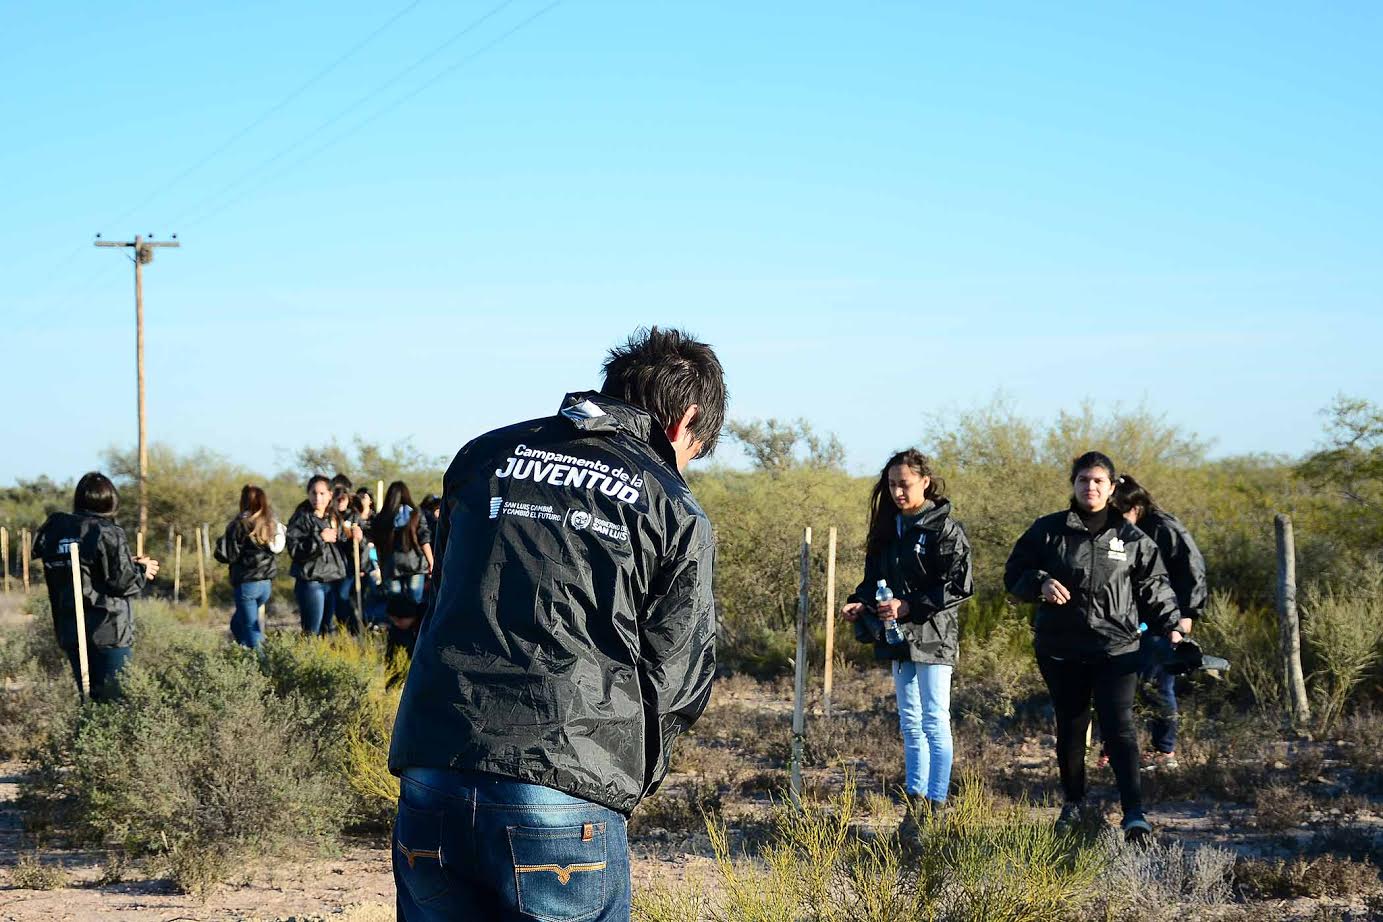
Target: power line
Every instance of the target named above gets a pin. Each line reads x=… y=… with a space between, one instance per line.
x=224 y=145
x=456 y=37
x=322 y=148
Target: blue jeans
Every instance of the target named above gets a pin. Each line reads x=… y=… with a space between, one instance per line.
x=244 y=624
x=312 y=599
x=471 y=846
x=340 y=606
x=103 y=665
x=924 y=716
x=1158 y=689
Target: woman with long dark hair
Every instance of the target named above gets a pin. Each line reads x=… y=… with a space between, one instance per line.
x=403 y=541
x=1094 y=578
x=1186 y=572
x=340 y=603
x=315 y=534
x=919 y=552
x=251 y=544
x=111 y=575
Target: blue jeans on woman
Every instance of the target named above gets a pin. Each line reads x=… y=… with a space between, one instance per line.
x=103 y=667
x=924 y=716
x=244 y=626
x=474 y=846
x=312 y=596
x=340 y=607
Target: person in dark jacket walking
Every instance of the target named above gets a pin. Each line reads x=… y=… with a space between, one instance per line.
x=251 y=544
x=1186 y=573
x=1095 y=577
x=568 y=642
x=314 y=541
x=340 y=602
x=403 y=540
x=111 y=575
x=920 y=552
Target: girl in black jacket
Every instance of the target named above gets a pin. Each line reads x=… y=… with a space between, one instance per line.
x=315 y=534
x=921 y=553
x=1186 y=572
x=111 y=575
x=1095 y=577
x=250 y=545
x=403 y=542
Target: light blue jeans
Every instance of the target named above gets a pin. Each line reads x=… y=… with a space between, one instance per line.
x=924 y=716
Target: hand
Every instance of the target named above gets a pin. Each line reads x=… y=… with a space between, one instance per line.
x=1175 y=637
x=1184 y=627
x=329 y=535
x=357 y=534
x=896 y=610
x=851 y=611
x=150 y=566
x=1055 y=593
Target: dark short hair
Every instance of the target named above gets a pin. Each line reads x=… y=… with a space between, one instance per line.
x=1129 y=494
x=665 y=371
x=95 y=494
x=318 y=478
x=1093 y=459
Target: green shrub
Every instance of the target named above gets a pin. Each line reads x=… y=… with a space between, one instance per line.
x=200 y=765
x=350 y=696
x=1343 y=627
x=30 y=873
x=39 y=692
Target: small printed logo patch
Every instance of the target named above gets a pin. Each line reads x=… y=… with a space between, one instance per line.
x=1115 y=544
x=580 y=519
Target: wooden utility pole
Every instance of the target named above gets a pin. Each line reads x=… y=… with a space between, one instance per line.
x=799 y=703
x=143 y=254
x=1289 y=627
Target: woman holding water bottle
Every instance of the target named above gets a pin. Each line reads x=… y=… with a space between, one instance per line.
x=917 y=571
x=315 y=542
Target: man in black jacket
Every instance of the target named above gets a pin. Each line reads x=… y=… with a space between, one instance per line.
x=568 y=641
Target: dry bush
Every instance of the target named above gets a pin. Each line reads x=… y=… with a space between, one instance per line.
x=39 y=695
x=677 y=809
x=1326 y=876
x=1361 y=747
x=1344 y=627
x=1280 y=807
x=30 y=873
x=1161 y=881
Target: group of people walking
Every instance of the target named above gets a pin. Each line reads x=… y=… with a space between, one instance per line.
x=1117 y=582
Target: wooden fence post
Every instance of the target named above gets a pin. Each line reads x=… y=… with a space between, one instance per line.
x=799 y=717
x=177 y=568
x=379 y=496
x=139 y=544
x=201 y=564
x=82 y=669
x=830 y=618
x=24 y=558
x=5 y=555
x=1289 y=627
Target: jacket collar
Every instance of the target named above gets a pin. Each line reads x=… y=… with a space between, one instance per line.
x=932 y=517
x=1076 y=523
x=596 y=413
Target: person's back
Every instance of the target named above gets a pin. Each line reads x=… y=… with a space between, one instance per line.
x=569 y=640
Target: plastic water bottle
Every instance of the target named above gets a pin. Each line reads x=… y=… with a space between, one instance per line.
x=891 y=633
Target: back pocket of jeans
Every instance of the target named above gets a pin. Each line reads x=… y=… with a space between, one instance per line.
x=559 y=871
x=418 y=853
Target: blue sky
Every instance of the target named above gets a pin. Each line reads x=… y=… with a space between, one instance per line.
x=876 y=211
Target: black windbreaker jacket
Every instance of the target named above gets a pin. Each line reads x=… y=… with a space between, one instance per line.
x=109 y=577
x=571 y=634
x=1183 y=560
x=928 y=566
x=313 y=558
x=249 y=562
x=402 y=561
x=1116 y=580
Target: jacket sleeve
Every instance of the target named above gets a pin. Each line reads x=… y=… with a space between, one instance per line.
x=39 y=549
x=1186 y=570
x=677 y=647
x=113 y=570
x=424 y=532
x=1157 y=604
x=228 y=545
x=304 y=542
x=957 y=580
x=1023 y=573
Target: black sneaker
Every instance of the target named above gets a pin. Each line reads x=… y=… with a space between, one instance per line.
x=1070 y=817
x=1137 y=831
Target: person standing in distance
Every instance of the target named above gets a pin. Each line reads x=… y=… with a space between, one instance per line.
x=111 y=575
x=569 y=640
x=1186 y=571
x=1095 y=577
x=314 y=537
x=252 y=541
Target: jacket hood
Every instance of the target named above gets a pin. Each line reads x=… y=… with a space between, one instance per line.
x=592 y=411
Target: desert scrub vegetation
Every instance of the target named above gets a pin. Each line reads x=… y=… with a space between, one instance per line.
x=215 y=757
x=984 y=859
